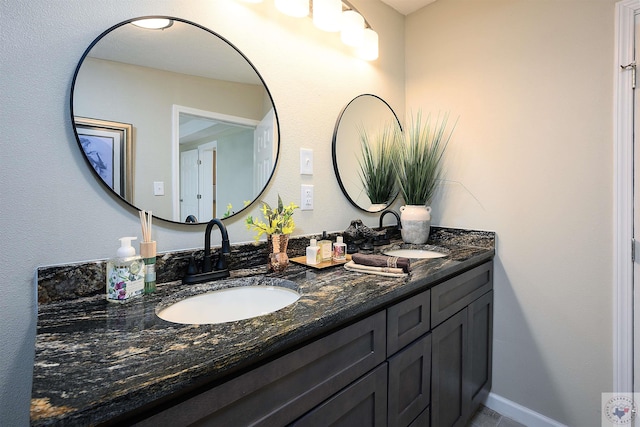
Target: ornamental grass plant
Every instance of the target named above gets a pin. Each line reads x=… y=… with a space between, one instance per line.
x=376 y=173
x=418 y=155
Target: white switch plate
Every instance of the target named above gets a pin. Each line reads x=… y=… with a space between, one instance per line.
x=158 y=188
x=306 y=161
x=306 y=197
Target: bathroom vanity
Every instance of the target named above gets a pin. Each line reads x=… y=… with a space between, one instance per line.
x=410 y=351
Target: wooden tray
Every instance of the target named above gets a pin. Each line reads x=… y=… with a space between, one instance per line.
x=325 y=264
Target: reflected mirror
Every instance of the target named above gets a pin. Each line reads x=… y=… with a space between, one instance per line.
x=175 y=121
x=371 y=114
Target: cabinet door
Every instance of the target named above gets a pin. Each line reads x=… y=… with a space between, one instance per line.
x=407 y=320
x=363 y=403
x=480 y=348
x=409 y=382
x=450 y=389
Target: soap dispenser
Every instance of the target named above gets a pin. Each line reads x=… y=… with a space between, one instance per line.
x=125 y=273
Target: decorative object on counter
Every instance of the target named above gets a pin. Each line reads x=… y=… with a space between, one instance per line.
x=302 y=260
x=325 y=247
x=418 y=165
x=148 y=253
x=380 y=271
x=376 y=167
x=339 y=250
x=278 y=258
x=313 y=253
x=383 y=261
x=210 y=271
x=125 y=273
x=279 y=224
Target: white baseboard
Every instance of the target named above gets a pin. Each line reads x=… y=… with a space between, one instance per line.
x=519 y=413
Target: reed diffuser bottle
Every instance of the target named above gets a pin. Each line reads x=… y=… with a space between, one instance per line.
x=148 y=253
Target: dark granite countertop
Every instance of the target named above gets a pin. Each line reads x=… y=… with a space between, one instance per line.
x=98 y=361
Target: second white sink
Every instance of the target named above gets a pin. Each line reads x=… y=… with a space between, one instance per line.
x=415 y=253
x=229 y=304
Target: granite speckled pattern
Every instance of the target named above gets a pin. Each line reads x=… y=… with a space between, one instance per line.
x=98 y=361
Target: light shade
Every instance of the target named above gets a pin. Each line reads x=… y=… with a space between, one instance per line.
x=295 y=8
x=327 y=14
x=369 y=48
x=153 y=23
x=352 y=30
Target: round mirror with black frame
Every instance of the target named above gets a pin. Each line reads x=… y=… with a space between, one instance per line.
x=176 y=121
x=363 y=131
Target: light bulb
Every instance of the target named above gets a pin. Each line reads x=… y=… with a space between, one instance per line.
x=327 y=14
x=352 y=31
x=369 y=48
x=295 y=8
x=153 y=23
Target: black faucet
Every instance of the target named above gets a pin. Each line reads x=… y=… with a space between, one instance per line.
x=386 y=239
x=209 y=272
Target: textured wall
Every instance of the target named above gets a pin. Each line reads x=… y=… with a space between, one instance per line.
x=53 y=210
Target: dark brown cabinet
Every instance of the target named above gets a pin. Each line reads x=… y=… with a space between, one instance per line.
x=421 y=361
x=461 y=346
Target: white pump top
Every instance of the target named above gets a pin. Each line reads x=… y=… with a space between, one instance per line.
x=126 y=250
x=339 y=239
x=313 y=243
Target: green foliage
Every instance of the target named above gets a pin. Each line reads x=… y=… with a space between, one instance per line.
x=277 y=221
x=418 y=158
x=376 y=167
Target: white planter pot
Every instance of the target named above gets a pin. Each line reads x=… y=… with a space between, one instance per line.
x=416 y=223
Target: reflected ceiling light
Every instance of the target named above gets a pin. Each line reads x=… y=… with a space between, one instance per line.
x=153 y=23
x=369 y=48
x=295 y=8
x=327 y=14
x=352 y=29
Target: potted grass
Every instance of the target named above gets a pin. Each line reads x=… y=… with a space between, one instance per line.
x=376 y=173
x=417 y=161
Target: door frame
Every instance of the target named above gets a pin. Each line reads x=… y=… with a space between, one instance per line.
x=623 y=198
x=175 y=143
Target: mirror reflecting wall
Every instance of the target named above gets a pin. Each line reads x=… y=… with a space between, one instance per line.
x=176 y=121
x=365 y=112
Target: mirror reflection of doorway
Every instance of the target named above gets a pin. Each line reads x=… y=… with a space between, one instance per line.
x=217 y=161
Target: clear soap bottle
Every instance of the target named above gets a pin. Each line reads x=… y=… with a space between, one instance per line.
x=125 y=273
x=339 y=250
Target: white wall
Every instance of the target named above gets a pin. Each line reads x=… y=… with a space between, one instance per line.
x=52 y=208
x=531 y=158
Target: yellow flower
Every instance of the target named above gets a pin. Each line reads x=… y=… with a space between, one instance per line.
x=278 y=221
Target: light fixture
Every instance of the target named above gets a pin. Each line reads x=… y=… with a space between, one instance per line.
x=327 y=14
x=295 y=8
x=369 y=48
x=153 y=23
x=352 y=29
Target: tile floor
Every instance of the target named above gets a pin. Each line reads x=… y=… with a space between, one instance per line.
x=486 y=417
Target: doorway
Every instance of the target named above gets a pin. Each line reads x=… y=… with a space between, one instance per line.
x=626 y=215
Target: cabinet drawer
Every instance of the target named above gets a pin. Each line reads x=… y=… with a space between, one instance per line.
x=406 y=321
x=363 y=403
x=284 y=389
x=451 y=296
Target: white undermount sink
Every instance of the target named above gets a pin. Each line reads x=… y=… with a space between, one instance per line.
x=229 y=305
x=416 y=253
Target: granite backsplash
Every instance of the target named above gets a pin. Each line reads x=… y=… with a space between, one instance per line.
x=71 y=281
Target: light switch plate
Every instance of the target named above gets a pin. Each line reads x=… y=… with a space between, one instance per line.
x=158 y=188
x=306 y=161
